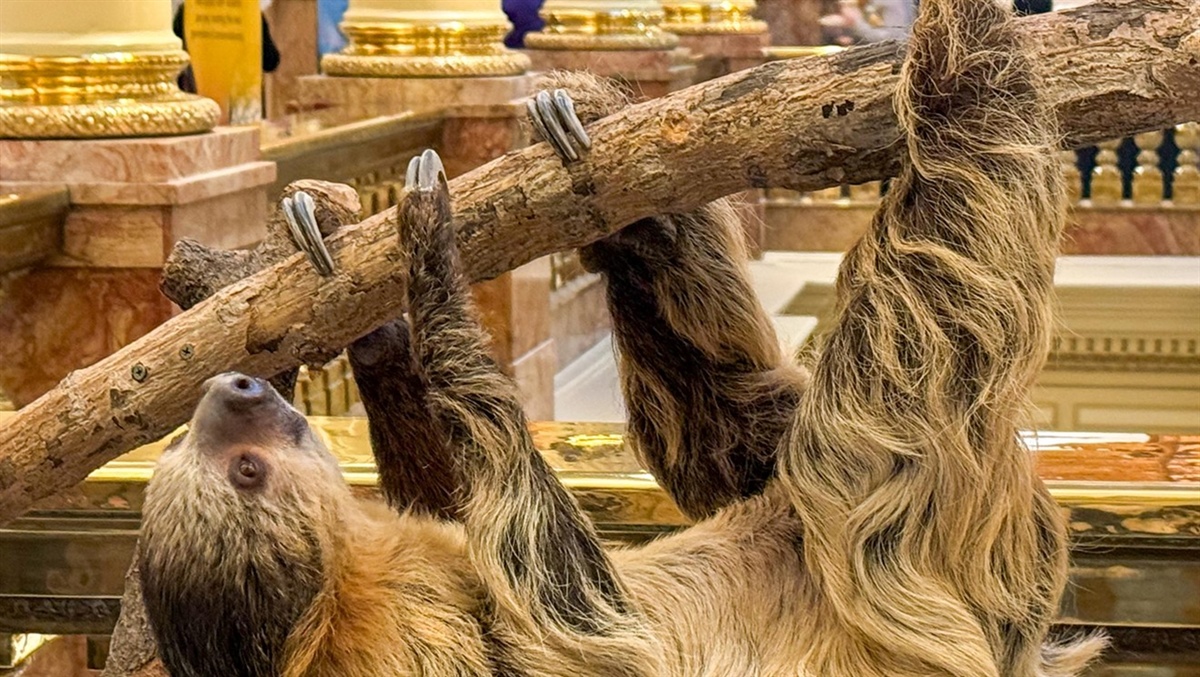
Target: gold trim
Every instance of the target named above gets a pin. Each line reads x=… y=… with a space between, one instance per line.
x=602 y=31
x=455 y=66
x=15 y=649
x=782 y=52
x=711 y=19
x=116 y=94
x=392 y=50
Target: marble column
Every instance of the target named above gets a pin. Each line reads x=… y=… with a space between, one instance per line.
x=418 y=55
x=621 y=39
x=88 y=103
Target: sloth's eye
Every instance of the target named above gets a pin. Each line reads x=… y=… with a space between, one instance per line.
x=247 y=471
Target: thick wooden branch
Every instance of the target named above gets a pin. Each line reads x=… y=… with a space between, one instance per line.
x=1112 y=68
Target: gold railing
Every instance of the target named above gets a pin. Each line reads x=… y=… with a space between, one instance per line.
x=1164 y=173
x=31 y=227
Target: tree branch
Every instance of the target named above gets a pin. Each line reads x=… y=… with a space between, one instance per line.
x=1112 y=69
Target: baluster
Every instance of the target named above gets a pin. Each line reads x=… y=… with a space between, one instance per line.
x=865 y=192
x=1187 y=173
x=1106 y=177
x=1072 y=177
x=830 y=194
x=1147 y=177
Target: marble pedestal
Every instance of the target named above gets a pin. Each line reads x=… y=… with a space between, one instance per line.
x=131 y=201
x=649 y=73
x=721 y=54
x=360 y=98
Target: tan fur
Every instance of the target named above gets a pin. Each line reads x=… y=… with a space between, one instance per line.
x=882 y=519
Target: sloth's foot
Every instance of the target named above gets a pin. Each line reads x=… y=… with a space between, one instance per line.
x=300 y=213
x=425 y=223
x=553 y=116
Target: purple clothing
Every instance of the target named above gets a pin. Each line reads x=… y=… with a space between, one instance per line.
x=524 y=17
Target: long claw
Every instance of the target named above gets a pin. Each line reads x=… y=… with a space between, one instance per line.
x=558 y=136
x=410 y=175
x=300 y=213
x=430 y=171
x=536 y=118
x=566 y=112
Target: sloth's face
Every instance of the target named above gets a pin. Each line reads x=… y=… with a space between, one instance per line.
x=239 y=519
x=249 y=475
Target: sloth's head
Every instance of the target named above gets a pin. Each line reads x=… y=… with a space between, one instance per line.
x=238 y=524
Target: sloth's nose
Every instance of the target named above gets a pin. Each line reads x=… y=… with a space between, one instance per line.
x=237 y=391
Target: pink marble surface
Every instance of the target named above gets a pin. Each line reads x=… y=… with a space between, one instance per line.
x=663 y=66
x=113 y=237
x=230 y=221
x=175 y=192
x=148 y=160
x=742 y=46
x=55 y=320
x=1113 y=231
x=534 y=374
x=475 y=135
x=360 y=98
x=1134 y=230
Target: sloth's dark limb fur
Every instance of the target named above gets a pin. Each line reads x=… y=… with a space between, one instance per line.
x=707 y=390
x=934 y=543
x=416 y=470
x=539 y=556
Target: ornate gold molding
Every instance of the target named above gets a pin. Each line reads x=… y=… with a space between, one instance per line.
x=115 y=94
x=587 y=30
x=715 y=18
x=390 y=50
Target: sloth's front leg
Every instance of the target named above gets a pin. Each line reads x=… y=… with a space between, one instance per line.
x=536 y=551
x=416 y=471
x=707 y=389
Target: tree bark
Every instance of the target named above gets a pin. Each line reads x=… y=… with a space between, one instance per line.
x=1112 y=69
x=195 y=272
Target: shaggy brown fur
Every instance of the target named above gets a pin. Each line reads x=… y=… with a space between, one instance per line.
x=904 y=534
x=416 y=470
x=709 y=392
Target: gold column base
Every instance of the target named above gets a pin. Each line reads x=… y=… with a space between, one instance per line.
x=711 y=19
x=602 y=31
x=452 y=66
x=406 y=50
x=99 y=96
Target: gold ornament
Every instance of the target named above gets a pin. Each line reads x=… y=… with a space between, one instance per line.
x=99 y=95
x=718 y=18
x=601 y=31
x=390 y=50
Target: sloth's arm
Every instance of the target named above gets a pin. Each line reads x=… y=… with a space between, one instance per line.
x=416 y=469
x=707 y=390
x=905 y=464
x=539 y=556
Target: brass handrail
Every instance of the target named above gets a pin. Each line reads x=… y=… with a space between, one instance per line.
x=31 y=226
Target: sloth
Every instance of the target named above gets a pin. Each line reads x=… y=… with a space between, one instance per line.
x=874 y=514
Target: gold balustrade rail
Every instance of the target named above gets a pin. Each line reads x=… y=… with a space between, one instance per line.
x=31 y=226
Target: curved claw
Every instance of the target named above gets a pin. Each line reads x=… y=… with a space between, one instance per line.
x=425 y=172
x=300 y=213
x=553 y=114
x=431 y=172
x=549 y=117
x=566 y=111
